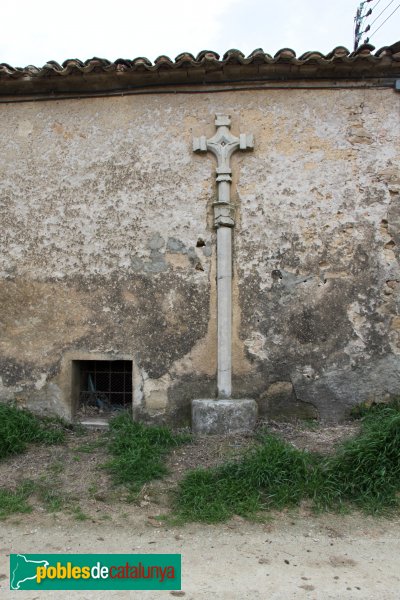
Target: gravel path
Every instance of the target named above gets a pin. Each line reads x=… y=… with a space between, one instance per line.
x=293 y=556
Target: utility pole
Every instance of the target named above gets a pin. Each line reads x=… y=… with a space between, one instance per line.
x=358 y=21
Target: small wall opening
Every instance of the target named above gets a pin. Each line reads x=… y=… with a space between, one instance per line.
x=103 y=387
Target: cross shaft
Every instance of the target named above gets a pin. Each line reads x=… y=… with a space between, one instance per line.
x=223 y=144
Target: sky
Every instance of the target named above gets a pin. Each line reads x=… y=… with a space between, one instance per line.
x=34 y=32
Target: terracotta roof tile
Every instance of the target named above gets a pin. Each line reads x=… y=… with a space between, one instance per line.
x=259 y=56
x=206 y=67
x=208 y=55
x=234 y=56
x=363 y=50
x=185 y=58
x=338 y=52
x=313 y=55
x=285 y=54
x=163 y=61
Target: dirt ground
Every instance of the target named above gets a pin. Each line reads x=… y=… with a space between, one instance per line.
x=292 y=555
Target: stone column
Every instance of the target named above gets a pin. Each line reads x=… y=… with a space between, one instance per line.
x=224 y=311
x=209 y=416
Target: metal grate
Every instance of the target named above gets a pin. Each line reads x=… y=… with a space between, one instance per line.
x=105 y=385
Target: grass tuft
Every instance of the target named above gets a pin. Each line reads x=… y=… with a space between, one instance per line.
x=18 y=428
x=14 y=501
x=272 y=475
x=364 y=472
x=138 y=450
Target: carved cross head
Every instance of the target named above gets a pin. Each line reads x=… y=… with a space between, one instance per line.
x=223 y=144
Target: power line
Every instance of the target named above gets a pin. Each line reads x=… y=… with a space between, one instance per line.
x=358 y=20
x=387 y=19
x=381 y=13
x=374 y=7
x=361 y=16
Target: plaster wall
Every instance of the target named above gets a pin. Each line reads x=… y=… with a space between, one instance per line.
x=108 y=248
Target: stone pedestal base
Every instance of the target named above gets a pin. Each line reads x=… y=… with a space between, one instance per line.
x=220 y=417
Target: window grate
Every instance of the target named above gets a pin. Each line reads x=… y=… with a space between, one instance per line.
x=105 y=385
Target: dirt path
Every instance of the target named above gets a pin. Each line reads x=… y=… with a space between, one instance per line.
x=293 y=556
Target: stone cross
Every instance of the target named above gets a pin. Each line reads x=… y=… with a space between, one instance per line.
x=223 y=144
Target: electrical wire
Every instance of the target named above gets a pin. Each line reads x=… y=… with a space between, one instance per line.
x=359 y=18
x=387 y=19
x=381 y=13
x=374 y=7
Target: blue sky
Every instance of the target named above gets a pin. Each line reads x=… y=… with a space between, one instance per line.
x=34 y=32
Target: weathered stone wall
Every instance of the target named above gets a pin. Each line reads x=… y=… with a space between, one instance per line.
x=107 y=248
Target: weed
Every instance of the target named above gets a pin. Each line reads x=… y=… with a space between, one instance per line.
x=311 y=424
x=93 y=489
x=272 y=475
x=14 y=501
x=138 y=451
x=20 y=427
x=89 y=447
x=48 y=495
x=367 y=408
x=78 y=429
x=364 y=472
x=134 y=493
x=45 y=491
x=56 y=467
x=78 y=514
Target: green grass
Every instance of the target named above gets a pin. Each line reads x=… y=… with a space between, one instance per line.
x=89 y=447
x=48 y=494
x=18 y=428
x=138 y=451
x=45 y=489
x=14 y=501
x=78 y=514
x=363 y=473
x=271 y=475
x=371 y=409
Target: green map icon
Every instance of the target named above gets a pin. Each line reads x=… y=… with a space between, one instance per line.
x=24 y=569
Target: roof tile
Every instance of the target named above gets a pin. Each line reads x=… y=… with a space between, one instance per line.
x=206 y=67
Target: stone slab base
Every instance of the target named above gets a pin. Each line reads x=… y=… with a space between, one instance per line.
x=94 y=423
x=218 y=417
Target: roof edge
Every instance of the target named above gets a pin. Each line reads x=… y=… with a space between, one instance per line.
x=100 y=75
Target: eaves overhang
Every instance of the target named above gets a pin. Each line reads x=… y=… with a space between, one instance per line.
x=205 y=72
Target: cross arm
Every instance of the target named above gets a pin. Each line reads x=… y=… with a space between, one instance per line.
x=246 y=141
x=200 y=144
